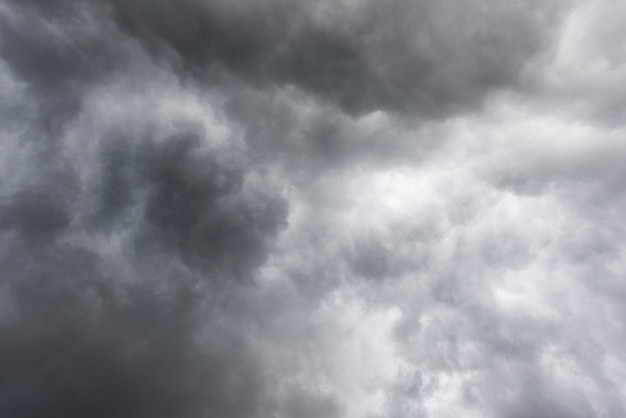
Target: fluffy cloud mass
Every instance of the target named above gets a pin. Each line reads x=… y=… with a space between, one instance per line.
x=291 y=209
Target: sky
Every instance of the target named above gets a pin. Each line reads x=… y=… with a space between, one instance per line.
x=307 y=209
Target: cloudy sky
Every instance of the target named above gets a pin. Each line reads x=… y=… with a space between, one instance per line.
x=312 y=209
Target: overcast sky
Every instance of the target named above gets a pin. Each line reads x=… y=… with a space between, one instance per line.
x=312 y=209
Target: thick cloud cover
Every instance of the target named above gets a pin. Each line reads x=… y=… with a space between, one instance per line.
x=300 y=209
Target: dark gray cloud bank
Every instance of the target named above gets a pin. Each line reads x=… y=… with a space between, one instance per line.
x=292 y=209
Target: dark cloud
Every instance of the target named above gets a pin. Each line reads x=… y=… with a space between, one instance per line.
x=34 y=215
x=124 y=237
x=310 y=406
x=362 y=56
x=57 y=54
x=79 y=345
x=105 y=336
x=196 y=206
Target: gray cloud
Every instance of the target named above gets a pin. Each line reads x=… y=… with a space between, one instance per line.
x=287 y=209
x=124 y=229
x=587 y=73
x=362 y=56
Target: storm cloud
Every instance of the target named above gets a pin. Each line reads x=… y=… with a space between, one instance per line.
x=300 y=209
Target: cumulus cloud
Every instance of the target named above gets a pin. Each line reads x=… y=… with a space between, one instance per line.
x=296 y=209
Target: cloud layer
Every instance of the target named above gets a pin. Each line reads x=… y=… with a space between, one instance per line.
x=295 y=209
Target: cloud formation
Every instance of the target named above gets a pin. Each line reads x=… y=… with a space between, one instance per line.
x=295 y=209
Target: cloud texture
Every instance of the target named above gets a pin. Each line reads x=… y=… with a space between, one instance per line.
x=292 y=209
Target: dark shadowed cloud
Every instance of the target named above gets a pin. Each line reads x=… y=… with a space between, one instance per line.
x=361 y=55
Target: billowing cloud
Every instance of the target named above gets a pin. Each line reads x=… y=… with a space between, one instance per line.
x=295 y=209
x=360 y=55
